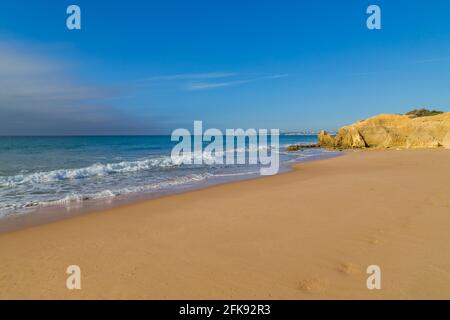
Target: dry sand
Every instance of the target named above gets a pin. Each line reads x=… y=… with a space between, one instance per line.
x=307 y=234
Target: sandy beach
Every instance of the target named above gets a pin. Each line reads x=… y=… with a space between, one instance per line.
x=306 y=234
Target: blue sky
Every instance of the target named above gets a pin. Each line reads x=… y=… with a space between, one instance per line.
x=148 y=67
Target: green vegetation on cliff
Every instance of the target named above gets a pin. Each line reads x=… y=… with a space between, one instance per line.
x=423 y=113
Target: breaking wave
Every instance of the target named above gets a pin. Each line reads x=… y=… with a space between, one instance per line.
x=94 y=170
x=99 y=169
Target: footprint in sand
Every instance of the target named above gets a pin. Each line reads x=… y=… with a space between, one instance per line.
x=348 y=268
x=312 y=285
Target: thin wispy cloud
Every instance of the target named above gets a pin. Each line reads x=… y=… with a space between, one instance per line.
x=196 y=86
x=191 y=76
x=205 y=81
x=212 y=85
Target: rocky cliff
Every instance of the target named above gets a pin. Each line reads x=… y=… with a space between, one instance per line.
x=392 y=131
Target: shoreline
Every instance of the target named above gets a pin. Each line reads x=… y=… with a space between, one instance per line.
x=42 y=215
x=305 y=234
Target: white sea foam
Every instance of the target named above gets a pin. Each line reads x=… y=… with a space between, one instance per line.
x=94 y=170
x=104 y=194
x=99 y=169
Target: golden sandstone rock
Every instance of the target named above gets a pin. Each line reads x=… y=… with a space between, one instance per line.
x=325 y=140
x=392 y=131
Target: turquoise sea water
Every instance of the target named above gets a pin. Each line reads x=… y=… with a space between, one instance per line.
x=37 y=172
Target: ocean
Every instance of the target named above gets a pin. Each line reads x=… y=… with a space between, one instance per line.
x=37 y=172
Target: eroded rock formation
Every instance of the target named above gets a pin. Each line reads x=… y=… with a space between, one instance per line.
x=392 y=131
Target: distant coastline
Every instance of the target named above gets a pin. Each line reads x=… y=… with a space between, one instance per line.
x=305 y=133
